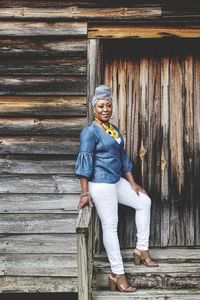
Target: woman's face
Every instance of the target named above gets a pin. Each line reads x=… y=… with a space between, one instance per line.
x=103 y=110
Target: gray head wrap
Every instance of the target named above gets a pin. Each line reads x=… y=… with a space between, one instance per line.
x=101 y=92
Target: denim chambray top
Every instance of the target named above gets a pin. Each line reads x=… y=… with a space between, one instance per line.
x=101 y=158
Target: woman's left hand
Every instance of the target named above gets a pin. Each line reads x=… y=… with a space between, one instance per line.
x=138 y=189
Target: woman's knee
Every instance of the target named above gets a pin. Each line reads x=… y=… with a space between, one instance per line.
x=146 y=201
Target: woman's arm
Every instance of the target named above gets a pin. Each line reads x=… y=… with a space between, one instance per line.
x=136 y=187
x=85 y=196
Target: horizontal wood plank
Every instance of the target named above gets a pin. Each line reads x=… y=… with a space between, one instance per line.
x=38 y=203
x=142 y=31
x=56 y=48
x=43 y=85
x=38 y=223
x=39 y=145
x=149 y=294
x=36 y=126
x=23 y=165
x=39 y=284
x=38 y=243
x=42 y=106
x=60 y=265
x=23 y=29
x=75 y=12
x=44 y=67
x=56 y=184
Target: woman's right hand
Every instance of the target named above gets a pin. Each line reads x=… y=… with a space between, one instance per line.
x=85 y=200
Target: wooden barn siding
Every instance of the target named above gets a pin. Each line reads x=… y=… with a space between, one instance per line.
x=94 y=11
x=42 y=111
x=158 y=103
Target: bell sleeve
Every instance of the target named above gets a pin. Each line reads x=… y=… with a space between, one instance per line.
x=85 y=159
x=126 y=163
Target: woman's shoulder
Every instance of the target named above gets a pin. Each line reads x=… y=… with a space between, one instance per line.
x=88 y=130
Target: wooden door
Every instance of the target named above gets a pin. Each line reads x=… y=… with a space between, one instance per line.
x=156 y=89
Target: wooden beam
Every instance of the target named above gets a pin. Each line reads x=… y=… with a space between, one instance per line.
x=37 y=126
x=24 y=29
x=27 y=284
x=56 y=48
x=38 y=145
x=38 y=243
x=42 y=106
x=74 y=13
x=39 y=184
x=60 y=265
x=38 y=203
x=43 y=85
x=37 y=223
x=142 y=31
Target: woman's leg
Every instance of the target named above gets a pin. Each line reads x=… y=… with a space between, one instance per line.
x=104 y=197
x=142 y=204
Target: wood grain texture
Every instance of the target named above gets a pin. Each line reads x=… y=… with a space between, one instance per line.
x=74 y=13
x=43 y=85
x=36 y=165
x=38 y=223
x=197 y=146
x=165 y=160
x=38 y=243
x=15 y=106
x=38 y=203
x=24 y=29
x=38 y=145
x=39 y=284
x=94 y=71
x=41 y=126
x=84 y=232
x=37 y=48
x=142 y=31
x=39 y=184
x=160 y=120
x=56 y=265
x=44 y=67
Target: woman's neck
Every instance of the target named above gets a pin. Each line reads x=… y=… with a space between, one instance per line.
x=100 y=122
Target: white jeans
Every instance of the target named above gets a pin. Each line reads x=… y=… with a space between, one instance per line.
x=106 y=197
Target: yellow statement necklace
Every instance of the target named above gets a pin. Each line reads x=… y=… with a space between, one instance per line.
x=110 y=130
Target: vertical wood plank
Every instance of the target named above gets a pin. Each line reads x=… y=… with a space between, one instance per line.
x=94 y=77
x=154 y=151
x=165 y=201
x=122 y=85
x=94 y=71
x=197 y=147
x=176 y=153
x=143 y=122
x=188 y=139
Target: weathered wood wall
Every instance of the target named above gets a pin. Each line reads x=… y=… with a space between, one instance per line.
x=43 y=89
x=42 y=110
x=156 y=87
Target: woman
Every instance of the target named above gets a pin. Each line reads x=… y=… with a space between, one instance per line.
x=101 y=163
